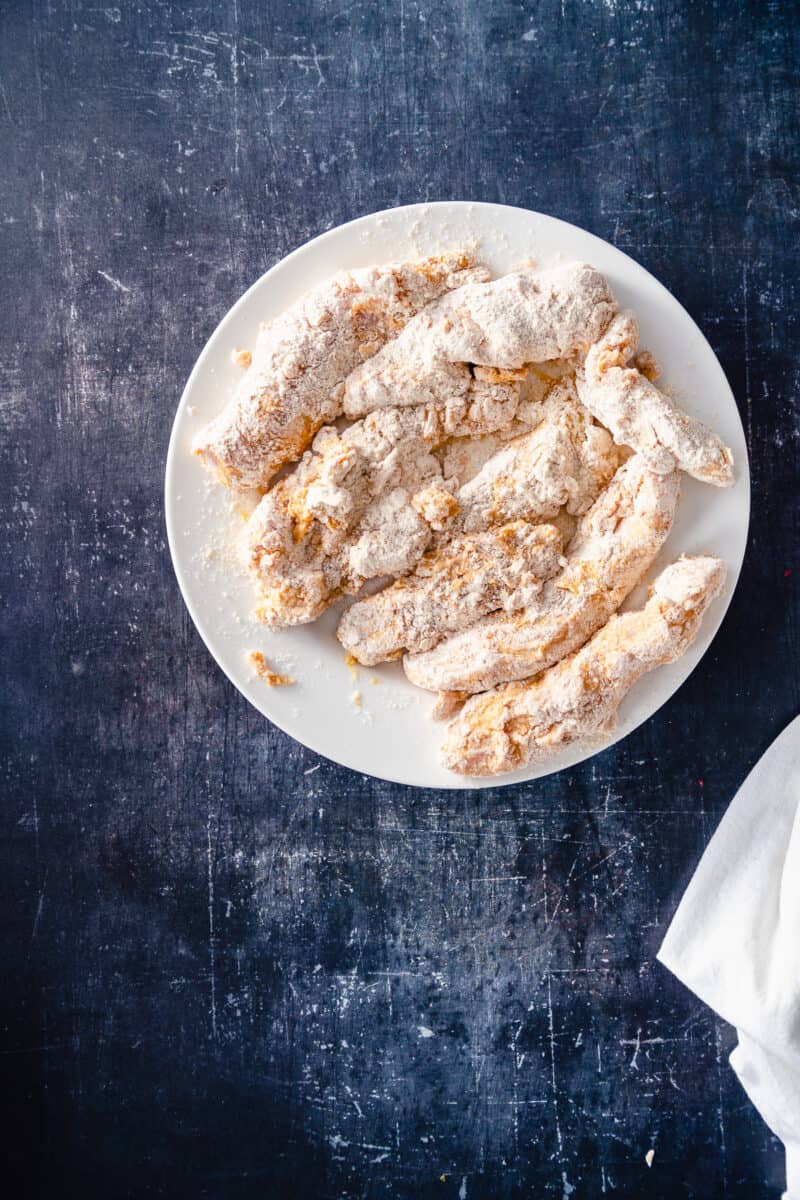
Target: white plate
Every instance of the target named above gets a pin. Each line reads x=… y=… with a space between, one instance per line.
x=390 y=735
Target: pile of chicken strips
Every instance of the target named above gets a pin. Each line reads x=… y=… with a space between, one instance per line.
x=495 y=456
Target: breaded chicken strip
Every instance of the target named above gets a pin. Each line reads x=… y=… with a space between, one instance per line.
x=522 y=722
x=462 y=458
x=640 y=415
x=295 y=383
x=451 y=588
x=565 y=460
x=364 y=503
x=524 y=317
x=614 y=544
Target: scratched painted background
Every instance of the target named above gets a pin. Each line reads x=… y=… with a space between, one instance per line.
x=231 y=969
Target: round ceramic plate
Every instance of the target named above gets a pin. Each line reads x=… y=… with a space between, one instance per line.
x=372 y=719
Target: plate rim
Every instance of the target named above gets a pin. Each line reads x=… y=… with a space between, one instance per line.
x=170 y=516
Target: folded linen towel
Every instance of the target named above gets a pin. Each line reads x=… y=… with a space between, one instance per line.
x=735 y=939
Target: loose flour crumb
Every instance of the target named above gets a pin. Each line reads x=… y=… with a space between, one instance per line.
x=264 y=671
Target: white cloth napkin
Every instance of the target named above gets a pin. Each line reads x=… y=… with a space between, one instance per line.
x=735 y=939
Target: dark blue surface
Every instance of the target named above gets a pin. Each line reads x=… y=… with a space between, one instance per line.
x=233 y=970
